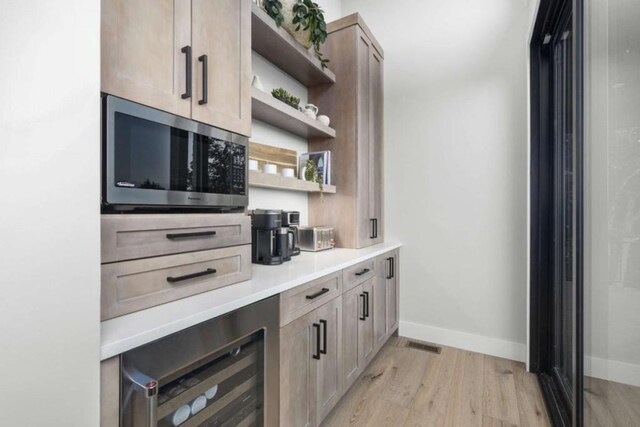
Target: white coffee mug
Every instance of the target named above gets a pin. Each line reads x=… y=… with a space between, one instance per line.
x=288 y=172
x=270 y=168
x=253 y=165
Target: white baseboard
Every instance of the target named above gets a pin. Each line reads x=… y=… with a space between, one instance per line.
x=465 y=341
x=612 y=370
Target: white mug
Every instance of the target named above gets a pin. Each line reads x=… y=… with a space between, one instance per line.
x=270 y=168
x=253 y=165
x=288 y=172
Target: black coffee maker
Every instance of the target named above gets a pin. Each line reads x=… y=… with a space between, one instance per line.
x=269 y=240
x=291 y=220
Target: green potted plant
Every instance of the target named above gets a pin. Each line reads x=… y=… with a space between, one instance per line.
x=283 y=95
x=304 y=19
x=311 y=174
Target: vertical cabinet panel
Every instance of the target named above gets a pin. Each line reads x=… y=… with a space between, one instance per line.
x=141 y=43
x=364 y=149
x=393 y=290
x=329 y=381
x=222 y=32
x=352 y=311
x=297 y=391
x=379 y=304
x=376 y=143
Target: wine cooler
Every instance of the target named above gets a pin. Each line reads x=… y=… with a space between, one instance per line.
x=221 y=373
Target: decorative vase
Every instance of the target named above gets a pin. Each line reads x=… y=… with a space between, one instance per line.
x=301 y=37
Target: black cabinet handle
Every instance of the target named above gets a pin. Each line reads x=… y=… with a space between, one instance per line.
x=390 y=274
x=187 y=51
x=365 y=271
x=373 y=228
x=207 y=272
x=176 y=236
x=205 y=83
x=393 y=267
x=323 y=350
x=364 y=303
x=317 y=294
x=316 y=327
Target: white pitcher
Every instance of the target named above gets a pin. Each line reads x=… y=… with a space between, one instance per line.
x=310 y=110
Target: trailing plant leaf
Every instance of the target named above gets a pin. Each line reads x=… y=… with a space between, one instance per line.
x=311 y=174
x=274 y=10
x=309 y=16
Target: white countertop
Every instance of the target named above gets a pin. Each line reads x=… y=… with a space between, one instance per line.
x=133 y=330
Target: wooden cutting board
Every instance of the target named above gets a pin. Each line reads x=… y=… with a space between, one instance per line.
x=280 y=157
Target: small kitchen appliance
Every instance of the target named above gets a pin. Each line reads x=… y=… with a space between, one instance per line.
x=314 y=239
x=291 y=220
x=266 y=225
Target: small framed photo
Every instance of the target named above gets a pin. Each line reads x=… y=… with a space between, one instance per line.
x=322 y=160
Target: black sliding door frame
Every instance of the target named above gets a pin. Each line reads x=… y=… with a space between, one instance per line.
x=565 y=406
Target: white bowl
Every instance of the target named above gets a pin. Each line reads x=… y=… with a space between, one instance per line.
x=270 y=168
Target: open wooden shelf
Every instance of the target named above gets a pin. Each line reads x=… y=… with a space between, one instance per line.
x=281 y=49
x=276 y=113
x=267 y=180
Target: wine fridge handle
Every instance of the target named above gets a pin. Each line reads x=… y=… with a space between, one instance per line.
x=149 y=387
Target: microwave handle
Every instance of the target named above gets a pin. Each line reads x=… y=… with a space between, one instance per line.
x=149 y=387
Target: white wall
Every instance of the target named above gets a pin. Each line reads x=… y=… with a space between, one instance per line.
x=612 y=207
x=272 y=77
x=456 y=166
x=49 y=216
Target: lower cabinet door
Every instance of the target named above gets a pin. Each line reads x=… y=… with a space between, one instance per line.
x=379 y=303
x=298 y=345
x=328 y=381
x=392 y=264
x=352 y=315
x=366 y=340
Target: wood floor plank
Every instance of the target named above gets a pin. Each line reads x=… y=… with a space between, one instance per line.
x=494 y=422
x=531 y=406
x=431 y=401
x=500 y=399
x=630 y=397
x=606 y=405
x=465 y=400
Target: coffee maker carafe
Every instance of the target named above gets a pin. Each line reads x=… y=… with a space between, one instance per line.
x=291 y=220
x=265 y=237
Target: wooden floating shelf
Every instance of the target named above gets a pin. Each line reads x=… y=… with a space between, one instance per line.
x=276 y=113
x=280 y=48
x=267 y=180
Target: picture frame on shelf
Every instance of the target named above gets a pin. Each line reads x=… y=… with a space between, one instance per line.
x=322 y=160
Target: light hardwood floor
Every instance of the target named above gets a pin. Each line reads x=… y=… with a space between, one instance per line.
x=610 y=404
x=409 y=387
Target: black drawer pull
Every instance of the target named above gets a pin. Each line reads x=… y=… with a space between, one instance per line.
x=207 y=272
x=364 y=303
x=175 y=236
x=205 y=79
x=363 y=272
x=316 y=327
x=373 y=228
x=187 y=51
x=323 y=350
x=390 y=261
x=317 y=294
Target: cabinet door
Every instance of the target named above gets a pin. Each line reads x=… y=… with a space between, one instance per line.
x=366 y=341
x=222 y=41
x=376 y=144
x=352 y=315
x=141 y=49
x=329 y=375
x=392 y=267
x=363 y=172
x=298 y=341
x=379 y=304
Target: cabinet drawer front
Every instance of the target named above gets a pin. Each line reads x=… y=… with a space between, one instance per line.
x=301 y=300
x=135 y=285
x=127 y=237
x=359 y=273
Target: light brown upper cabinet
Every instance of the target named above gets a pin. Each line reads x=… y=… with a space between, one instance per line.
x=191 y=58
x=355 y=104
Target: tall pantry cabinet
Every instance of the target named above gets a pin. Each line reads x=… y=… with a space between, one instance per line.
x=355 y=105
x=191 y=58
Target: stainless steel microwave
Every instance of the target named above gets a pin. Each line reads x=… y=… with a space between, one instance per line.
x=153 y=159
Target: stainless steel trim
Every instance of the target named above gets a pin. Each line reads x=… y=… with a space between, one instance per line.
x=113 y=195
x=149 y=389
